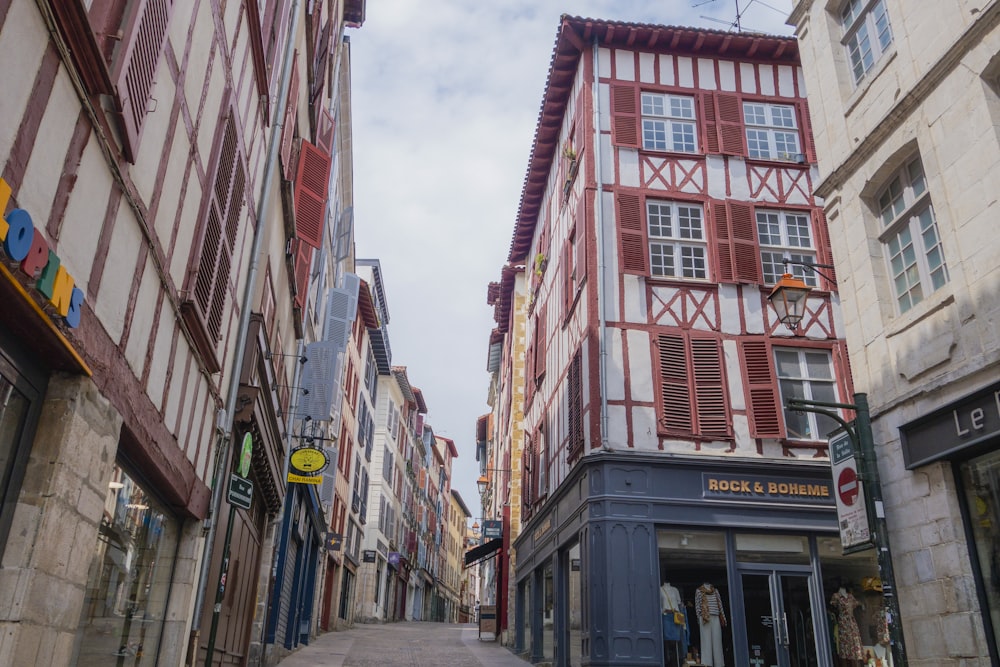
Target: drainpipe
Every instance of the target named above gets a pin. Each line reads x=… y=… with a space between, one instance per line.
x=226 y=418
x=599 y=218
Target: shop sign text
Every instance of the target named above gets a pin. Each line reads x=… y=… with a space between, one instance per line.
x=758 y=487
x=24 y=244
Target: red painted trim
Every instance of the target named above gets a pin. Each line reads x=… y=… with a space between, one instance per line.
x=67 y=180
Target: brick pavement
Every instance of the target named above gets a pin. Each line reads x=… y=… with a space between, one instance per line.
x=407 y=644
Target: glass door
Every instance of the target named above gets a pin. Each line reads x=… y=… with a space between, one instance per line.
x=778 y=617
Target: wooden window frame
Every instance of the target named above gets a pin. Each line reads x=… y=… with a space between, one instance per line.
x=692 y=392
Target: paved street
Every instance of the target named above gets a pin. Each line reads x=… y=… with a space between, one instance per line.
x=415 y=644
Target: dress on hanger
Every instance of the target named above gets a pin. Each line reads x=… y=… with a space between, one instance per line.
x=848 y=635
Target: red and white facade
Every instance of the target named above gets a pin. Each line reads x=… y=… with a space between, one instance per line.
x=672 y=171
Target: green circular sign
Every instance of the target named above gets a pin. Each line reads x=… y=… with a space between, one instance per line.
x=245 y=455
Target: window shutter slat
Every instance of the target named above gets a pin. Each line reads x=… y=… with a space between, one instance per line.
x=288 y=123
x=723 y=242
x=710 y=126
x=675 y=398
x=625 y=115
x=730 y=118
x=135 y=68
x=575 y=407
x=743 y=229
x=311 y=182
x=712 y=407
x=765 y=420
x=633 y=237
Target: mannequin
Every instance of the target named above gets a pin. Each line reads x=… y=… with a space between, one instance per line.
x=708 y=607
x=675 y=627
x=670 y=598
x=848 y=636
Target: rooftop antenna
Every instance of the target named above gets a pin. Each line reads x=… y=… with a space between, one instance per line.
x=737 y=22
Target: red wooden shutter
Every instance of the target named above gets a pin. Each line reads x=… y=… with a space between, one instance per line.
x=730 y=119
x=808 y=142
x=675 y=398
x=583 y=225
x=568 y=275
x=712 y=406
x=220 y=236
x=762 y=392
x=574 y=384
x=632 y=233
x=311 y=183
x=539 y=344
x=746 y=256
x=288 y=123
x=710 y=124
x=625 y=115
x=144 y=34
x=723 y=242
x=824 y=252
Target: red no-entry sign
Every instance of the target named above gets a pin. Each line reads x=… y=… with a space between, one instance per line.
x=847 y=486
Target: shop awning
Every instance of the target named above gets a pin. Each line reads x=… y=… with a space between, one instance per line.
x=473 y=556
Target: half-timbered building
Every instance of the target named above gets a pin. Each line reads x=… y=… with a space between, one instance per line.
x=670 y=177
x=164 y=184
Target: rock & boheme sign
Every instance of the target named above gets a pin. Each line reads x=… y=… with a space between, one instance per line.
x=766 y=488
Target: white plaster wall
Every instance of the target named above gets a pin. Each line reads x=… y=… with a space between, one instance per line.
x=58 y=121
x=85 y=212
x=640 y=365
x=26 y=36
x=160 y=361
x=644 y=436
x=142 y=317
x=154 y=132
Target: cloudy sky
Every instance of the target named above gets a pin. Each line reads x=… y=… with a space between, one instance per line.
x=446 y=94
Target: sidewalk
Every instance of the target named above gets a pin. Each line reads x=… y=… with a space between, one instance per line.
x=404 y=644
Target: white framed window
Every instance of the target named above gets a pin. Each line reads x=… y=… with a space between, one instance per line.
x=786 y=234
x=805 y=373
x=772 y=132
x=668 y=123
x=910 y=237
x=867 y=34
x=677 y=246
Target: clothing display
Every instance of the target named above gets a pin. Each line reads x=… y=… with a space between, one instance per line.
x=848 y=635
x=670 y=598
x=708 y=606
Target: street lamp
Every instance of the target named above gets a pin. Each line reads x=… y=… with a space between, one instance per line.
x=483 y=482
x=788 y=298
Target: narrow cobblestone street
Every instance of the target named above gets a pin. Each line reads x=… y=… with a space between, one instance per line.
x=414 y=644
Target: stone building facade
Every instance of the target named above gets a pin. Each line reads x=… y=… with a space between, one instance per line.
x=905 y=112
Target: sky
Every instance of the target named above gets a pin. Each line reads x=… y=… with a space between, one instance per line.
x=445 y=99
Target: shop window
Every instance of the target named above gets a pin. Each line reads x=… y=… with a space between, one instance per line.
x=981 y=492
x=576 y=609
x=694 y=596
x=20 y=403
x=548 y=617
x=852 y=590
x=128 y=587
